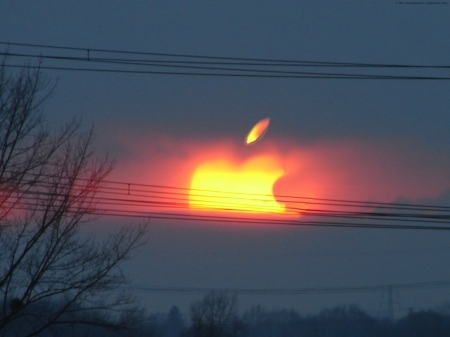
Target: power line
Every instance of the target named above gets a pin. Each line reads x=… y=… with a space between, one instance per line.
x=161 y=203
x=258 y=60
x=143 y=201
x=106 y=198
x=203 y=66
x=294 y=291
x=130 y=188
x=305 y=76
x=255 y=220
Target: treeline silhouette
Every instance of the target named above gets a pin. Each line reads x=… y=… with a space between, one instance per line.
x=341 y=321
x=216 y=315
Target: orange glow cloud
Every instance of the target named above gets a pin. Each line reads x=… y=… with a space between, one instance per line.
x=222 y=185
x=382 y=171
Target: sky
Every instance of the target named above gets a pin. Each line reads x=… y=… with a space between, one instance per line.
x=367 y=140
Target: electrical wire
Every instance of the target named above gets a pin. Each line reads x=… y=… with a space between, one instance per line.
x=296 y=291
x=139 y=189
x=114 y=198
x=201 y=65
x=182 y=65
x=256 y=61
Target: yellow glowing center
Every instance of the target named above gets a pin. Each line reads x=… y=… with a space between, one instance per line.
x=258 y=130
x=219 y=185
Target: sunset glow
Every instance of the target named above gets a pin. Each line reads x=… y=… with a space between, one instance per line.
x=222 y=185
x=258 y=131
x=276 y=168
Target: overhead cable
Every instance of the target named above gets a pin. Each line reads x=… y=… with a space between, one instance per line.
x=202 y=65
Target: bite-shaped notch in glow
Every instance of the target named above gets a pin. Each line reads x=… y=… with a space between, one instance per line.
x=257 y=131
x=221 y=185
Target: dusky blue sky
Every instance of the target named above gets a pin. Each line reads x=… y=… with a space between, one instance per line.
x=306 y=111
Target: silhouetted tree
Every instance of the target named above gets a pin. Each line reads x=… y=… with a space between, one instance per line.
x=174 y=324
x=215 y=316
x=423 y=324
x=343 y=321
x=50 y=275
x=273 y=323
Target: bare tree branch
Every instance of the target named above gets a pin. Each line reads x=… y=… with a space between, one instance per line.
x=215 y=316
x=50 y=275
